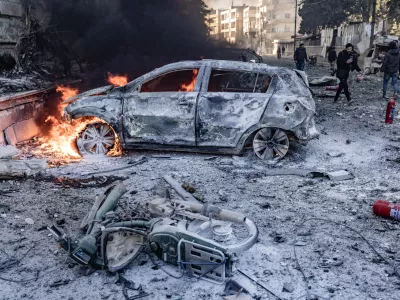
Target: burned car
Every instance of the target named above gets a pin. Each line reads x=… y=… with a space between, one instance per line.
x=203 y=106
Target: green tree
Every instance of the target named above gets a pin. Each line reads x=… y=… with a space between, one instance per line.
x=316 y=14
x=393 y=11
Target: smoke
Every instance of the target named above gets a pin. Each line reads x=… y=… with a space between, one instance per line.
x=132 y=36
x=216 y=4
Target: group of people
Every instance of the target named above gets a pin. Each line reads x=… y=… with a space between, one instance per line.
x=347 y=62
x=280 y=51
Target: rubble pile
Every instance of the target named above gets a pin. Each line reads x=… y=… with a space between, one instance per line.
x=19 y=81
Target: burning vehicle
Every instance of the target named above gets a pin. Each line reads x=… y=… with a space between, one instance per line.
x=203 y=106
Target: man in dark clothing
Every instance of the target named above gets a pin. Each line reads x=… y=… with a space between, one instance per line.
x=283 y=50
x=391 y=66
x=279 y=53
x=344 y=62
x=300 y=57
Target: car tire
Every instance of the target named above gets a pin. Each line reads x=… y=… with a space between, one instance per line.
x=96 y=139
x=271 y=143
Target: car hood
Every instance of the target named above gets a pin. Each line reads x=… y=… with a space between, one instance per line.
x=96 y=92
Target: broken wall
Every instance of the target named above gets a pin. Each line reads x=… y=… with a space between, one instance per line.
x=17 y=116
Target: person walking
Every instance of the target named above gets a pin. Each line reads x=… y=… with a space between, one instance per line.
x=279 y=52
x=391 y=67
x=300 y=57
x=332 y=57
x=283 y=50
x=344 y=61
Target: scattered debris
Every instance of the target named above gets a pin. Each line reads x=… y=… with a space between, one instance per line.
x=323 y=81
x=335 y=154
x=29 y=221
x=186 y=225
x=188 y=188
x=101 y=181
x=287 y=288
x=232 y=288
x=339 y=175
x=259 y=284
x=131 y=164
x=238 y=296
x=14 y=169
x=129 y=285
x=59 y=283
x=179 y=189
x=334 y=176
x=8 y=152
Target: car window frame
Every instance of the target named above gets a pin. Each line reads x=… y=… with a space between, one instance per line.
x=197 y=86
x=209 y=69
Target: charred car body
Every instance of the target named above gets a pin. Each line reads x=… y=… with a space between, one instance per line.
x=208 y=105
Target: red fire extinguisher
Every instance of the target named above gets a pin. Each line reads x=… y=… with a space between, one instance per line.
x=387 y=209
x=390 y=111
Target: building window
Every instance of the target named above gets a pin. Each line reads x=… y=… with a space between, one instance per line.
x=233 y=34
x=287 y=28
x=233 y=15
x=287 y=16
x=274 y=29
x=233 y=25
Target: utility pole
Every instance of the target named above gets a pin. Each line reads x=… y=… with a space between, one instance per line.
x=295 y=29
x=371 y=43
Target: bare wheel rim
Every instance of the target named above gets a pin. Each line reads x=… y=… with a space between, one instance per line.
x=271 y=144
x=97 y=139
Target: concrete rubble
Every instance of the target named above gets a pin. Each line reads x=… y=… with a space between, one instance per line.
x=14 y=169
x=8 y=152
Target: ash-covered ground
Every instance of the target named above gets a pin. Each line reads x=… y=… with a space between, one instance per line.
x=337 y=262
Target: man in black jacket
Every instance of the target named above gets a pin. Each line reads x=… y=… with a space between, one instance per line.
x=300 y=57
x=344 y=65
x=391 y=66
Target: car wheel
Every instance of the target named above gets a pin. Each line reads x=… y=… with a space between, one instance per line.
x=96 y=139
x=270 y=143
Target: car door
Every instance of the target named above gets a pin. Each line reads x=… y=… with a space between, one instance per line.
x=162 y=109
x=231 y=102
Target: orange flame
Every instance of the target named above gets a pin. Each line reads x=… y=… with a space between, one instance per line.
x=117 y=80
x=60 y=141
x=67 y=92
x=190 y=87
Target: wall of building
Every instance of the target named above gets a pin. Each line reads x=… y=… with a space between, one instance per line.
x=11 y=24
x=17 y=116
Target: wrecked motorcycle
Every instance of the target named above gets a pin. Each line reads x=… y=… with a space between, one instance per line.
x=196 y=237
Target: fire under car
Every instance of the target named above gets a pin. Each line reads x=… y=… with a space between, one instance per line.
x=204 y=106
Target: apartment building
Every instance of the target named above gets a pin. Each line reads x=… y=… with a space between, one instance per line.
x=232 y=23
x=250 y=27
x=278 y=18
x=214 y=23
x=269 y=25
